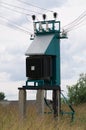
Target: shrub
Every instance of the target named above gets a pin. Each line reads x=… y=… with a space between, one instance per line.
x=2 y=96
x=77 y=92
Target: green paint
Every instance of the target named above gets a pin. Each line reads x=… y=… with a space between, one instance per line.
x=53 y=49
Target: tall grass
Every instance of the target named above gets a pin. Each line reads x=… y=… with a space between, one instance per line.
x=10 y=119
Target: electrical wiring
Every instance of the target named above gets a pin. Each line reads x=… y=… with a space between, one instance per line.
x=15 y=10
x=75 y=23
x=75 y=26
x=26 y=14
x=34 y=6
x=17 y=26
x=19 y=29
x=18 y=7
x=77 y=19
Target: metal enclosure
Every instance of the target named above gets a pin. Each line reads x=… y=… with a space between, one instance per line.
x=45 y=53
x=39 y=67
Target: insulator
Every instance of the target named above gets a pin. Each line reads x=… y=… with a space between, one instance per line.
x=55 y=15
x=44 y=16
x=33 y=17
x=47 y=26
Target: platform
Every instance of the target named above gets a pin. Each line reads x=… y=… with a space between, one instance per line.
x=56 y=87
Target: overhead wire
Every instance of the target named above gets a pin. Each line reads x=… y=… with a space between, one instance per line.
x=67 y=27
x=75 y=23
x=77 y=27
x=17 y=26
x=11 y=9
x=19 y=12
x=27 y=3
x=77 y=19
x=18 y=7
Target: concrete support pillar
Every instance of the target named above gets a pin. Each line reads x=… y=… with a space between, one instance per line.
x=22 y=103
x=56 y=102
x=40 y=101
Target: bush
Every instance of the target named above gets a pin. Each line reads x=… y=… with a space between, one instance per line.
x=2 y=96
x=77 y=92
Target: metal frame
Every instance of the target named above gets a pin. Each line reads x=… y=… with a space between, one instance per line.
x=50 y=31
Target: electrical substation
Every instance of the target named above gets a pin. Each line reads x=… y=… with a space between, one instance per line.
x=43 y=65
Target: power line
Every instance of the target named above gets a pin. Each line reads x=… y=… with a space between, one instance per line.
x=76 y=22
x=18 y=7
x=15 y=25
x=76 y=27
x=35 y=6
x=19 y=12
x=77 y=19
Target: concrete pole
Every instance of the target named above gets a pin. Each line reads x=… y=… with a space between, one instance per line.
x=40 y=101
x=22 y=103
x=56 y=102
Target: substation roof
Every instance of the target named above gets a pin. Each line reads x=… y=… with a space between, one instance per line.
x=39 y=45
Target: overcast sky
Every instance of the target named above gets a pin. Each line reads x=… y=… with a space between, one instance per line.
x=14 y=42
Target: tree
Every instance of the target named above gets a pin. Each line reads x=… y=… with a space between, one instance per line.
x=77 y=92
x=2 y=96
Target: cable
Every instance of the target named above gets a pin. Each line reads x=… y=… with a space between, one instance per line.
x=35 y=6
x=20 y=30
x=74 y=26
x=19 y=7
x=19 y=12
x=16 y=11
x=76 y=22
x=17 y=26
x=77 y=19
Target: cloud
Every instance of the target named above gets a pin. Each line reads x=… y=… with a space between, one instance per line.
x=13 y=63
x=77 y=2
x=4 y=76
x=12 y=58
x=73 y=55
x=10 y=88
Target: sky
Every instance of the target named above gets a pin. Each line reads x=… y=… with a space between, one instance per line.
x=14 y=42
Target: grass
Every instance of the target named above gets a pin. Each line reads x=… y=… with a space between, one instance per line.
x=10 y=119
